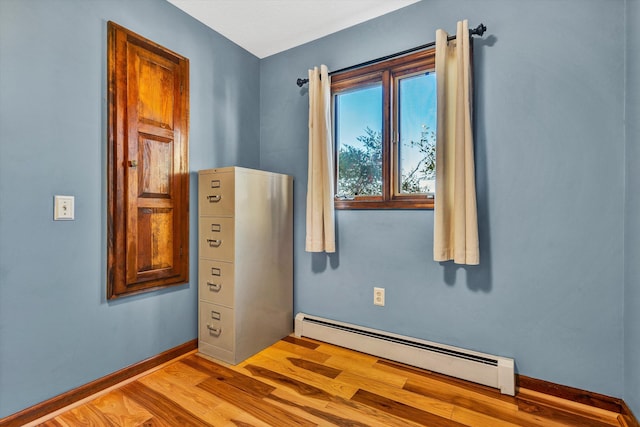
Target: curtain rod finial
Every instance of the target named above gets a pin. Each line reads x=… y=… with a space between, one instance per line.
x=302 y=82
x=479 y=30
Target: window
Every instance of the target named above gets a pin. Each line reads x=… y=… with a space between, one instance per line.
x=384 y=133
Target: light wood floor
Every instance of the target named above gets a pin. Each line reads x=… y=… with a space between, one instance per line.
x=301 y=382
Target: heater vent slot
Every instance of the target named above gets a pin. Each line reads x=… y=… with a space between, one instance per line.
x=409 y=342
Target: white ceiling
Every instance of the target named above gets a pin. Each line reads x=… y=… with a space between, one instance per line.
x=266 y=27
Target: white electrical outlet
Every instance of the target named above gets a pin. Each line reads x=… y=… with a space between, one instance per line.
x=378 y=296
x=63 y=208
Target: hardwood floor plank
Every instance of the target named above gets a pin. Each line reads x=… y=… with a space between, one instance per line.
x=161 y=407
x=299 y=387
x=294 y=350
x=156 y=422
x=85 y=415
x=230 y=376
x=277 y=352
x=318 y=368
x=566 y=417
x=255 y=406
x=239 y=423
x=236 y=417
x=468 y=417
x=340 y=411
x=302 y=342
x=371 y=415
x=362 y=367
x=121 y=410
x=320 y=416
x=558 y=403
x=51 y=423
x=284 y=367
x=434 y=406
x=300 y=351
x=403 y=411
x=193 y=399
x=185 y=374
x=333 y=350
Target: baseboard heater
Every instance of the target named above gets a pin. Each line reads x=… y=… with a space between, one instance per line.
x=481 y=368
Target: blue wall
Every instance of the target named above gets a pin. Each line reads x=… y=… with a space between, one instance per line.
x=57 y=331
x=632 y=220
x=550 y=156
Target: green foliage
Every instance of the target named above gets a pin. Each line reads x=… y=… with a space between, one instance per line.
x=360 y=169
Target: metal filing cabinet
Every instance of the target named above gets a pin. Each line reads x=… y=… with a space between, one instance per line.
x=245 y=271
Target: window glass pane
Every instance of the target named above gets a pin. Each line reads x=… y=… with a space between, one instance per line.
x=416 y=131
x=358 y=127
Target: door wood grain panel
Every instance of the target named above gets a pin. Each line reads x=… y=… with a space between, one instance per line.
x=148 y=179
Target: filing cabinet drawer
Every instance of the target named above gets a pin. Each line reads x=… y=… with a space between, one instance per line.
x=216 y=195
x=215 y=280
x=216 y=238
x=216 y=325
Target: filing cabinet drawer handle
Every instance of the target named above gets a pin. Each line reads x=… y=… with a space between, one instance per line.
x=215 y=271
x=215 y=183
x=215 y=315
x=216 y=228
x=214 y=198
x=214 y=243
x=214 y=331
x=214 y=287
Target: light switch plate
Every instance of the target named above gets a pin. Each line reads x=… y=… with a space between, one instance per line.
x=63 y=208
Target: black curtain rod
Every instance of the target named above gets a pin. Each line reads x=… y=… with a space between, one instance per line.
x=479 y=31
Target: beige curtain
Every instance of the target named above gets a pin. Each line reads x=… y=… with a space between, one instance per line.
x=320 y=214
x=456 y=223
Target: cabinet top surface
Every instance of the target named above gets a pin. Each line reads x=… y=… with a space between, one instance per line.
x=238 y=169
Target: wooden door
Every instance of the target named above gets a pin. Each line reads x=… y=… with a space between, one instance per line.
x=148 y=165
